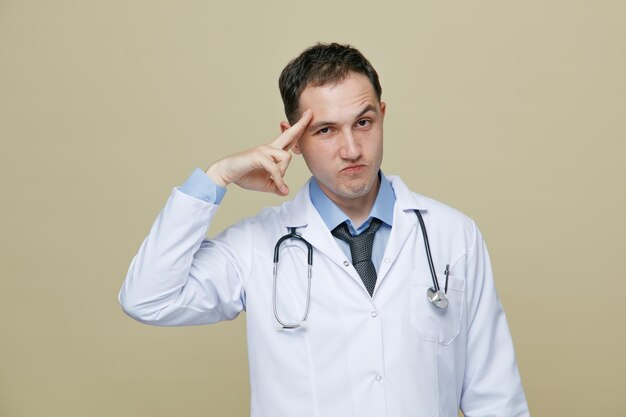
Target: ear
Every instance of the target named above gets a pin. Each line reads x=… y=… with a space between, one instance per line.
x=383 y=108
x=295 y=148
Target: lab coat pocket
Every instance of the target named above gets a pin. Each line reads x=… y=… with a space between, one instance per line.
x=432 y=323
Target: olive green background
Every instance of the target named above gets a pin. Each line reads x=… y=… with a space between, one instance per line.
x=513 y=112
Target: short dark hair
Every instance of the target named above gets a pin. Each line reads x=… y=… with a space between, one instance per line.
x=320 y=65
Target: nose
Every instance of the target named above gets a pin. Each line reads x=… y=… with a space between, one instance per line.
x=349 y=149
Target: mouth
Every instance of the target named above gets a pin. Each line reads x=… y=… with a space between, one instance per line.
x=353 y=169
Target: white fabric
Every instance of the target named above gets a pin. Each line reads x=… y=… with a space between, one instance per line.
x=393 y=354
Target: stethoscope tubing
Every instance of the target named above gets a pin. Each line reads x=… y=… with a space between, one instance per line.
x=293 y=235
x=433 y=274
x=435 y=295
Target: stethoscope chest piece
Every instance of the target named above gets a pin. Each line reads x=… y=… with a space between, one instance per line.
x=437 y=298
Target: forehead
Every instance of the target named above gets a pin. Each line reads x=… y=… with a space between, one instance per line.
x=337 y=99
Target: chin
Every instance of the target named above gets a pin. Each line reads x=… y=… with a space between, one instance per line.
x=354 y=191
x=346 y=189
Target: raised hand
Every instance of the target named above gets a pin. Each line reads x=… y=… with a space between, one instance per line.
x=261 y=168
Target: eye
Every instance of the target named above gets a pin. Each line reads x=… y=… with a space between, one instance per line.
x=363 y=123
x=324 y=131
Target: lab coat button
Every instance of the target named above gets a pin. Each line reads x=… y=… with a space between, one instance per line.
x=387 y=260
x=379 y=378
x=374 y=313
x=346 y=263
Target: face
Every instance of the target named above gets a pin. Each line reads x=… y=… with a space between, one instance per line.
x=343 y=144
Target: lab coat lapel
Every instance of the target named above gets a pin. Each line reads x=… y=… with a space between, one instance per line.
x=404 y=224
x=302 y=214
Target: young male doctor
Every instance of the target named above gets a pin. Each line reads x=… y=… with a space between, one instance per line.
x=374 y=344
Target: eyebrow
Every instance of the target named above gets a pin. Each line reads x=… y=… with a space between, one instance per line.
x=317 y=125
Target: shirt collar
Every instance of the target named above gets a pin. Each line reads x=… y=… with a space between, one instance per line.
x=333 y=216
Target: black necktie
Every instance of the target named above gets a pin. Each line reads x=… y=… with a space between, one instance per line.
x=361 y=250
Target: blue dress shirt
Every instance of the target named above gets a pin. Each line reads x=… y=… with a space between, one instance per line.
x=199 y=185
x=382 y=209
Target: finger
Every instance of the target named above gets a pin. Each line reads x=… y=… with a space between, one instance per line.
x=284 y=164
x=286 y=140
x=282 y=158
x=278 y=155
x=274 y=170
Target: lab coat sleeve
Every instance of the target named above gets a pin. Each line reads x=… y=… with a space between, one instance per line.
x=492 y=385
x=180 y=278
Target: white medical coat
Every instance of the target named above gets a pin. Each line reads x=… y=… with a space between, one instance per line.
x=393 y=354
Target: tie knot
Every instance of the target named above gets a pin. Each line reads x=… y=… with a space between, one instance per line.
x=360 y=245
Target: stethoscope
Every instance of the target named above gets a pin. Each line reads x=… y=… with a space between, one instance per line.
x=434 y=294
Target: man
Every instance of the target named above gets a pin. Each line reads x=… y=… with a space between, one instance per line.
x=374 y=344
